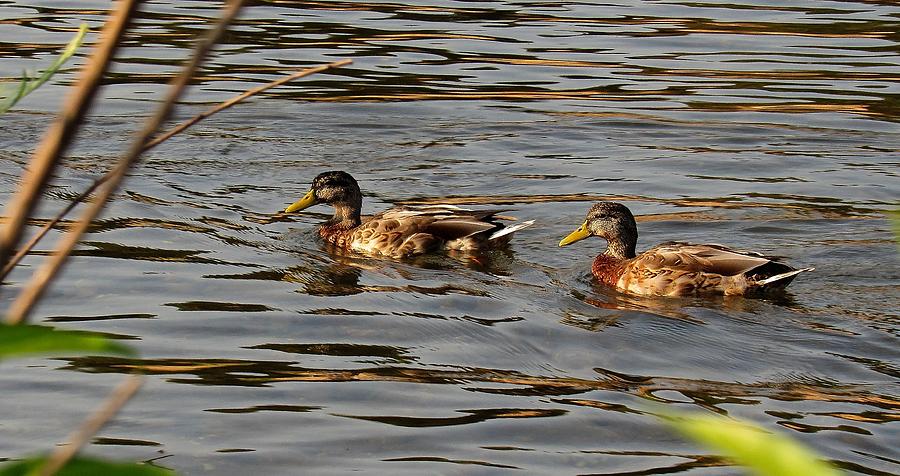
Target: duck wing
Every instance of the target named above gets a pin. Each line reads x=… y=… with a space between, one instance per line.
x=707 y=258
x=447 y=222
x=461 y=227
x=681 y=269
x=410 y=230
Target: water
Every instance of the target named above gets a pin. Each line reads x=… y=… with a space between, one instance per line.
x=763 y=125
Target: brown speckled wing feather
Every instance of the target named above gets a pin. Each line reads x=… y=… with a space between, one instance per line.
x=409 y=230
x=394 y=236
x=445 y=222
x=699 y=258
x=685 y=269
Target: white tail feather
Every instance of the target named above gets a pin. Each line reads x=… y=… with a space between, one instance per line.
x=440 y=207
x=510 y=229
x=779 y=277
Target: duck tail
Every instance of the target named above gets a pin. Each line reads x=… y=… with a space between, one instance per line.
x=789 y=276
x=506 y=230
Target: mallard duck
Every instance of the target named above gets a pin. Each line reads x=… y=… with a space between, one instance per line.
x=400 y=231
x=673 y=269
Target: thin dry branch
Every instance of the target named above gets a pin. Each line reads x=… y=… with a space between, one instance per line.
x=38 y=284
x=240 y=97
x=92 y=425
x=58 y=138
x=25 y=249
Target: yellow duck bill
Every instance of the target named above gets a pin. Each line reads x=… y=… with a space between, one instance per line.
x=307 y=201
x=577 y=235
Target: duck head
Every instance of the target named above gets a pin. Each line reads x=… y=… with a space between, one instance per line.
x=611 y=221
x=336 y=188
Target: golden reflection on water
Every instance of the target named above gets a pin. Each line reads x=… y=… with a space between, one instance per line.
x=707 y=393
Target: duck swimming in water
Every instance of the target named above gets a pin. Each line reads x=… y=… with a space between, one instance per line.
x=674 y=269
x=401 y=231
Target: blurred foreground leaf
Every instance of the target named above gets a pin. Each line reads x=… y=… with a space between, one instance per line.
x=767 y=454
x=28 y=339
x=12 y=95
x=85 y=467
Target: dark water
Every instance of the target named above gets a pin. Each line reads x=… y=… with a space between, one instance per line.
x=764 y=125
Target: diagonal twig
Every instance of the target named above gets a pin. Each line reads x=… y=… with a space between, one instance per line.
x=38 y=284
x=58 y=138
x=26 y=248
x=240 y=97
x=80 y=437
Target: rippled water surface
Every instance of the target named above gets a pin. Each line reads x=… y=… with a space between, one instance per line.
x=769 y=125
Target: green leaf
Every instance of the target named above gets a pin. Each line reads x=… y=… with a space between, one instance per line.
x=28 y=85
x=894 y=217
x=767 y=454
x=13 y=98
x=85 y=467
x=28 y=339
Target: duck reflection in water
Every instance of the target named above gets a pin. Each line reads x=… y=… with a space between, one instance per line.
x=335 y=279
x=342 y=275
x=619 y=305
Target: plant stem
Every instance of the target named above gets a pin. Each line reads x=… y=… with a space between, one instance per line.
x=25 y=249
x=39 y=283
x=47 y=155
x=80 y=437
